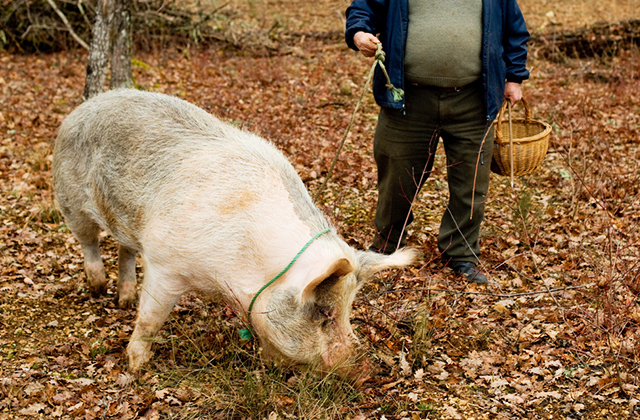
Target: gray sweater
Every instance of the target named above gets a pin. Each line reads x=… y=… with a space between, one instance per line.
x=444 y=42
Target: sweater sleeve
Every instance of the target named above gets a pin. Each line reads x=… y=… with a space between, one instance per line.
x=515 y=40
x=364 y=15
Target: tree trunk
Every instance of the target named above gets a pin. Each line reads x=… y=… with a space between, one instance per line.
x=99 y=52
x=121 y=54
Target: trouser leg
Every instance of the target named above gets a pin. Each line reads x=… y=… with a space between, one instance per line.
x=404 y=149
x=469 y=153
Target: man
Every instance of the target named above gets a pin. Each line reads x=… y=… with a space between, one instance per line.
x=456 y=60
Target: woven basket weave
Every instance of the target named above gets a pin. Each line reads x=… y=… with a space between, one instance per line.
x=520 y=144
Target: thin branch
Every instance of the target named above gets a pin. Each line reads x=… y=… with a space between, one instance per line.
x=499 y=295
x=84 y=15
x=68 y=25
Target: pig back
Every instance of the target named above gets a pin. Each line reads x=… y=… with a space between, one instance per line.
x=136 y=162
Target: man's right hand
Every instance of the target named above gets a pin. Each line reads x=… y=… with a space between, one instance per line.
x=366 y=43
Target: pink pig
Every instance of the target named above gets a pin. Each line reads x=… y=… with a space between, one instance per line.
x=211 y=209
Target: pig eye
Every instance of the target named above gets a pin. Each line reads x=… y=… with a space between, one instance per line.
x=322 y=314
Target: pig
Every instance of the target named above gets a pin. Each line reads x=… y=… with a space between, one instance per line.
x=212 y=209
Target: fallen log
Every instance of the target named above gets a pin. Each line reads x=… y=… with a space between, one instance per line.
x=599 y=40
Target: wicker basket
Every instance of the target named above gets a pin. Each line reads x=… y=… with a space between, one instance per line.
x=520 y=144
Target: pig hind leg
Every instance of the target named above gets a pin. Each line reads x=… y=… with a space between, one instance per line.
x=87 y=232
x=126 y=277
x=158 y=296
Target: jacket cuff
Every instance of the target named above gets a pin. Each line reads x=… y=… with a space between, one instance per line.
x=517 y=78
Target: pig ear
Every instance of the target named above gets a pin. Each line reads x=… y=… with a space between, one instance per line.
x=370 y=263
x=338 y=269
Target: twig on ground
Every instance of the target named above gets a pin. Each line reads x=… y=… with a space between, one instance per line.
x=464 y=292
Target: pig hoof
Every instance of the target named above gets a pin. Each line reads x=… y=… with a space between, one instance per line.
x=96 y=279
x=126 y=302
x=98 y=290
x=139 y=353
x=126 y=295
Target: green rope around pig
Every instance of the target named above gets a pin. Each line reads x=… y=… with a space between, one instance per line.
x=246 y=333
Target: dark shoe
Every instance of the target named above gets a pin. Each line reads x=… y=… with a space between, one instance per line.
x=468 y=270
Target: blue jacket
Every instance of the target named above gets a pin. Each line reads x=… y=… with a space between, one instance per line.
x=504 y=50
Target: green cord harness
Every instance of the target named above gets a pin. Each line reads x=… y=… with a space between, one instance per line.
x=246 y=333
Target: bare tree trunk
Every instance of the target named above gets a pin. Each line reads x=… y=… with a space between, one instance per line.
x=100 y=46
x=121 y=54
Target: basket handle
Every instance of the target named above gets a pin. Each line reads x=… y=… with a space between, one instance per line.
x=527 y=115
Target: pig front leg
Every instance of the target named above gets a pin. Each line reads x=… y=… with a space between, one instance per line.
x=126 y=277
x=158 y=296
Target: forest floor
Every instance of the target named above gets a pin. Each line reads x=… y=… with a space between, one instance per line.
x=554 y=335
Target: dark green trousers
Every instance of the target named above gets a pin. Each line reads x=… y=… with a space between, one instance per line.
x=404 y=149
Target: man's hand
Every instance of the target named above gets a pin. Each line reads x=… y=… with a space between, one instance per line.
x=366 y=43
x=512 y=92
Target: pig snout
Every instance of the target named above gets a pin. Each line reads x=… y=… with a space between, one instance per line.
x=338 y=355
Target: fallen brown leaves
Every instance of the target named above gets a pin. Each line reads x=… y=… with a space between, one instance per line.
x=554 y=336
